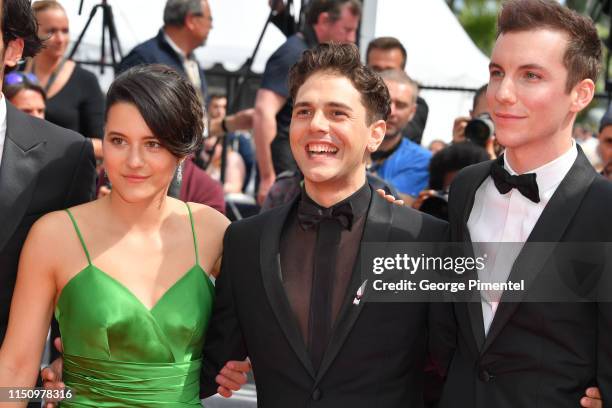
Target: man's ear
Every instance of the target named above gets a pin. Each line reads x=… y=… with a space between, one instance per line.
x=189 y=21
x=582 y=94
x=413 y=109
x=13 y=52
x=323 y=18
x=377 y=134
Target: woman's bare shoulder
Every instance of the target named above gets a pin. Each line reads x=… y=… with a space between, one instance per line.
x=208 y=218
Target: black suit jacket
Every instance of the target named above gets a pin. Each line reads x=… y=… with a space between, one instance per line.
x=376 y=354
x=535 y=354
x=157 y=51
x=44 y=168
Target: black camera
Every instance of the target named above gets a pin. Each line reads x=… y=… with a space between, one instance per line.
x=436 y=205
x=480 y=129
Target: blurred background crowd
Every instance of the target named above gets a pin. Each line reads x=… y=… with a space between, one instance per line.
x=245 y=164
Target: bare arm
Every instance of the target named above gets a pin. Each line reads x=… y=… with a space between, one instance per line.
x=235 y=173
x=242 y=120
x=31 y=309
x=267 y=105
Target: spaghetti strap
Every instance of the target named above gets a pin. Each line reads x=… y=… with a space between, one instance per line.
x=76 y=228
x=195 y=239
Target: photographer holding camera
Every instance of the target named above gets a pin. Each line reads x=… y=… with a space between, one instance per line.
x=443 y=168
x=477 y=128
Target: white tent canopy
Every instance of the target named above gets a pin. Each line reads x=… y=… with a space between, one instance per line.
x=231 y=41
x=439 y=51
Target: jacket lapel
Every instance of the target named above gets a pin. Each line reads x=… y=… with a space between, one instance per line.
x=376 y=229
x=22 y=159
x=550 y=227
x=269 y=258
x=473 y=308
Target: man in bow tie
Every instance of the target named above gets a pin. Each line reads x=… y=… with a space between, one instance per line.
x=517 y=353
x=289 y=291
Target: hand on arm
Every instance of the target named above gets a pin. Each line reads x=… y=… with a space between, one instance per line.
x=232 y=377
x=52 y=374
x=592 y=398
x=389 y=197
x=267 y=104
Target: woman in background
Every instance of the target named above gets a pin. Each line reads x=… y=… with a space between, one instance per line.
x=74 y=98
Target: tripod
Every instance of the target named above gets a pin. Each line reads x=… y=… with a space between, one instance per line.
x=108 y=29
x=241 y=82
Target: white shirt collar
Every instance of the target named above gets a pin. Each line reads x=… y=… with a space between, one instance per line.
x=2 y=124
x=175 y=47
x=552 y=173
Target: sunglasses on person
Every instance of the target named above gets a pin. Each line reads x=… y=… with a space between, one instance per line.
x=16 y=78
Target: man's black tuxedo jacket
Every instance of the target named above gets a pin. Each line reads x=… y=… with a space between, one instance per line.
x=535 y=354
x=44 y=168
x=376 y=354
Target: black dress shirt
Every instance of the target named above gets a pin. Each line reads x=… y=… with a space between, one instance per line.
x=297 y=255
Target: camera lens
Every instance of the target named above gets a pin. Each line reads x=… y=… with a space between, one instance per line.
x=436 y=205
x=479 y=129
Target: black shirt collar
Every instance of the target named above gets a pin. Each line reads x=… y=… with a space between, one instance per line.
x=359 y=200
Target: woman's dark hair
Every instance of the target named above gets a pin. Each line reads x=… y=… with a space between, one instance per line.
x=168 y=103
x=18 y=21
x=453 y=158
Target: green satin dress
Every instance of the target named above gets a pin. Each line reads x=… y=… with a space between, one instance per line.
x=118 y=353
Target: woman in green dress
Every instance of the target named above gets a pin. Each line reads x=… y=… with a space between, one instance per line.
x=127 y=276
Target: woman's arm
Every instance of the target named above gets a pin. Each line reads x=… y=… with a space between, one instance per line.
x=31 y=309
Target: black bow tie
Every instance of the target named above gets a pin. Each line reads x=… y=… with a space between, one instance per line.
x=526 y=183
x=310 y=215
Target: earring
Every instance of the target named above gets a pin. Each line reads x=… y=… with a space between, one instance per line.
x=179 y=173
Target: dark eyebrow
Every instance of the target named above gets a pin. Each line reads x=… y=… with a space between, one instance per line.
x=340 y=105
x=301 y=104
x=526 y=66
x=329 y=104
x=116 y=133
x=532 y=66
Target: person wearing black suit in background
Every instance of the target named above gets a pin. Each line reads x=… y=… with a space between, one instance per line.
x=520 y=354
x=43 y=167
x=309 y=343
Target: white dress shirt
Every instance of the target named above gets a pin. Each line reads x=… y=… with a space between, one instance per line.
x=2 y=124
x=189 y=63
x=510 y=217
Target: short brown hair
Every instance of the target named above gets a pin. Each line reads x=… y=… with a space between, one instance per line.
x=583 y=54
x=401 y=77
x=344 y=60
x=332 y=7
x=387 y=43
